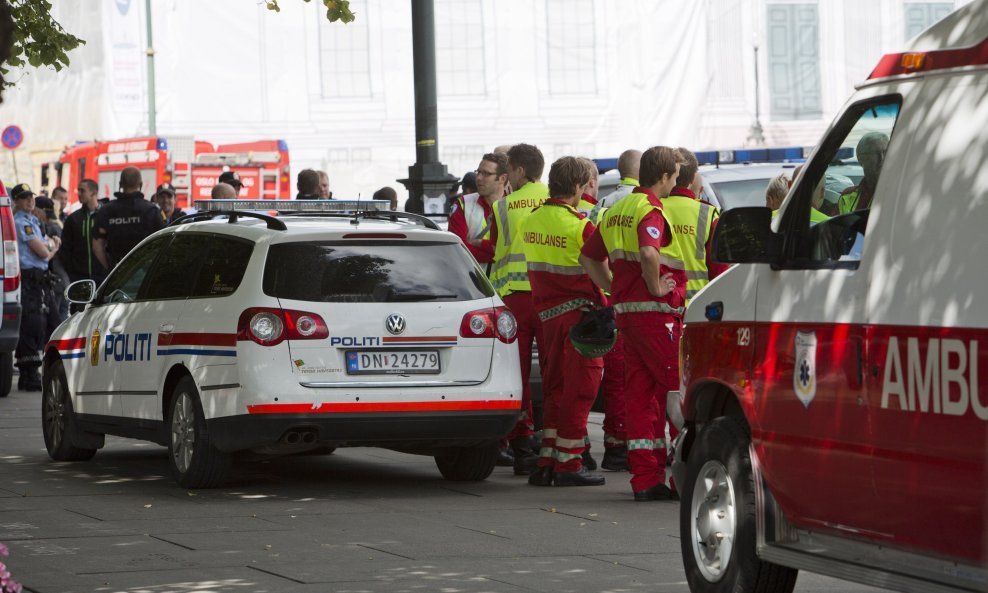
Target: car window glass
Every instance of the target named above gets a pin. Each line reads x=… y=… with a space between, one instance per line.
x=830 y=207
x=125 y=280
x=223 y=267
x=169 y=279
x=373 y=272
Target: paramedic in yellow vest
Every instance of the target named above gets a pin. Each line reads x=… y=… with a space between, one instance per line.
x=552 y=237
x=509 y=275
x=588 y=201
x=693 y=223
x=471 y=215
x=871 y=155
x=648 y=290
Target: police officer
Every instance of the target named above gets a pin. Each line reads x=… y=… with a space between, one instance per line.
x=124 y=222
x=552 y=236
x=308 y=185
x=649 y=294
x=164 y=197
x=231 y=178
x=40 y=314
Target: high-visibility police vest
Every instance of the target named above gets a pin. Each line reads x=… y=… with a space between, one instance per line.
x=478 y=226
x=690 y=222
x=509 y=272
x=619 y=230
x=552 y=237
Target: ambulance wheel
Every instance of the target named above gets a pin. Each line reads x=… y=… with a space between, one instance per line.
x=58 y=420
x=717 y=517
x=6 y=373
x=194 y=461
x=468 y=464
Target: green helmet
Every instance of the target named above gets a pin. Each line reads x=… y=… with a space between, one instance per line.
x=595 y=334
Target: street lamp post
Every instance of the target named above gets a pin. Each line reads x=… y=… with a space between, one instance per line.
x=152 y=115
x=428 y=180
x=755 y=134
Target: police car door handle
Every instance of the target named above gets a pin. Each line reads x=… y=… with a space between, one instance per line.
x=166 y=328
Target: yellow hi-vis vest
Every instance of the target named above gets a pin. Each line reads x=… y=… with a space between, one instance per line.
x=552 y=237
x=690 y=222
x=509 y=273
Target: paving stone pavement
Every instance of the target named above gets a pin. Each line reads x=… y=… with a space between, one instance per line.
x=360 y=520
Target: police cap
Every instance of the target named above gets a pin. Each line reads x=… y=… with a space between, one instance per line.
x=165 y=188
x=21 y=190
x=231 y=178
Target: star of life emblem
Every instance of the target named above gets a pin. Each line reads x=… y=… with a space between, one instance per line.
x=653 y=232
x=804 y=371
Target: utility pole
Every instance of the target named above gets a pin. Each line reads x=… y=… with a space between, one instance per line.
x=428 y=180
x=152 y=115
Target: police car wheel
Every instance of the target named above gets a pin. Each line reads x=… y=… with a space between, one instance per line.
x=717 y=516
x=468 y=464
x=58 y=419
x=194 y=461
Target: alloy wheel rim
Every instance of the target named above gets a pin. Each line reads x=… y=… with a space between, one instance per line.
x=55 y=412
x=713 y=520
x=183 y=432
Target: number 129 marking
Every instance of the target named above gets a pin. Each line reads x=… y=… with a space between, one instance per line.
x=744 y=336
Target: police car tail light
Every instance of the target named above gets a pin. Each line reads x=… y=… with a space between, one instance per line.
x=489 y=323
x=263 y=326
x=11 y=266
x=302 y=325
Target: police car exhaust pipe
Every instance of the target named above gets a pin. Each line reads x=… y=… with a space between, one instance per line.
x=308 y=437
x=292 y=437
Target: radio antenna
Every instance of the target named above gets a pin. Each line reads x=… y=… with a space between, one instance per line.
x=356 y=211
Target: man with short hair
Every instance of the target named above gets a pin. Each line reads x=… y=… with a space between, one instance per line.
x=324 y=192
x=60 y=199
x=871 y=155
x=125 y=221
x=308 y=185
x=649 y=294
x=231 y=178
x=164 y=197
x=470 y=215
x=509 y=275
x=77 y=237
x=223 y=191
x=387 y=193
x=628 y=167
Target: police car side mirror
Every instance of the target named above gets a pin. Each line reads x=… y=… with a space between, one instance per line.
x=744 y=236
x=81 y=292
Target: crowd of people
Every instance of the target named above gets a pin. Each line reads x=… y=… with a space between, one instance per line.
x=600 y=284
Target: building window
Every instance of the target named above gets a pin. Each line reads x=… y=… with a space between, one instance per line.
x=920 y=15
x=344 y=56
x=571 y=47
x=460 y=68
x=794 y=61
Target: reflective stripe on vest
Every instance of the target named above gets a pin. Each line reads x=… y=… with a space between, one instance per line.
x=690 y=222
x=509 y=272
x=552 y=238
x=647 y=307
x=566 y=307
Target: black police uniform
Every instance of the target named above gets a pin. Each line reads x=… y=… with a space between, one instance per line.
x=125 y=222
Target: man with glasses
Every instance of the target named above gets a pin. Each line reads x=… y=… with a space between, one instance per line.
x=470 y=215
x=871 y=154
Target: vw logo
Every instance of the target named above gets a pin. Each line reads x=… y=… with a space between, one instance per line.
x=395 y=324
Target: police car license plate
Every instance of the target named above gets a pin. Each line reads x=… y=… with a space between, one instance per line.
x=392 y=362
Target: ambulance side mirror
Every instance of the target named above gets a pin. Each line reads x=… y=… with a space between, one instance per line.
x=81 y=292
x=744 y=236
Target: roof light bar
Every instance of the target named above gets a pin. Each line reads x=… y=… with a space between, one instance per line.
x=943 y=59
x=294 y=205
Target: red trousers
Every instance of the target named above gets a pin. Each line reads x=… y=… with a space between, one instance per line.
x=529 y=328
x=651 y=371
x=612 y=390
x=569 y=386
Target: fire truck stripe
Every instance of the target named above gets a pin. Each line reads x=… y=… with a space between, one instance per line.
x=443 y=406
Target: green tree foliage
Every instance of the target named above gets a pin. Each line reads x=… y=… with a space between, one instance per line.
x=30 y=36
x=336 y=10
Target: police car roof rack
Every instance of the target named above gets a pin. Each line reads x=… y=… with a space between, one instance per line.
x=356 y=215
x=273 y=223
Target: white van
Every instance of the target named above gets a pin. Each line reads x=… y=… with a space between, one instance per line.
x=834 y=389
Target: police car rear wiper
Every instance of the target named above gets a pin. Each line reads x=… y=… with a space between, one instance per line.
x=421 y=296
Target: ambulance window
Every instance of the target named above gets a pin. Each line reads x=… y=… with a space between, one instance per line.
x=125 y=280
x=178 y=262
x=828 y=213
x=223 y=268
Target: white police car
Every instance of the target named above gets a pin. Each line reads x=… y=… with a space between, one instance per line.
x=281 y=334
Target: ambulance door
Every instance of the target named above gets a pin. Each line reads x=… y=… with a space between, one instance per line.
x=929 y=357
x=812 y=430
x=104 y=382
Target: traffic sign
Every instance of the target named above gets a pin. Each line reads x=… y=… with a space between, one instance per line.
x=12 y=137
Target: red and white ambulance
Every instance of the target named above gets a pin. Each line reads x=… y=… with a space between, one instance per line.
x=834 y=390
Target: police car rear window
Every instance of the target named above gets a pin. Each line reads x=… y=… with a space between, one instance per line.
x=373 y=272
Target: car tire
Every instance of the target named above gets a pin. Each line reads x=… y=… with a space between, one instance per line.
x=194 y=461
x=6 y=373
x=468 y=464
x=718 y=511
x=58 y=423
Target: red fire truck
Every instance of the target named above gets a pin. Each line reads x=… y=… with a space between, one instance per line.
x=191 y=166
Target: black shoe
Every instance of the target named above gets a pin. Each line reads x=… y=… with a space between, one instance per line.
x=505 y=458
x=580 y=478
x=615 y=459
x=32 y=387
x=543 y=476
x=588 y=461
x=525 y=464
x=658 y=492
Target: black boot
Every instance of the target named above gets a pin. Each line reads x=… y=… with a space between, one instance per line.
x=525 y=460
x=588 y=461
x=658 y=492
x=542 y=476
x=580 y=478
x=505 y=457
x=29 y=379
x=615 y=459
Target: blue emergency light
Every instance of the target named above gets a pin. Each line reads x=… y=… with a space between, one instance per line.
x=789 y=154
